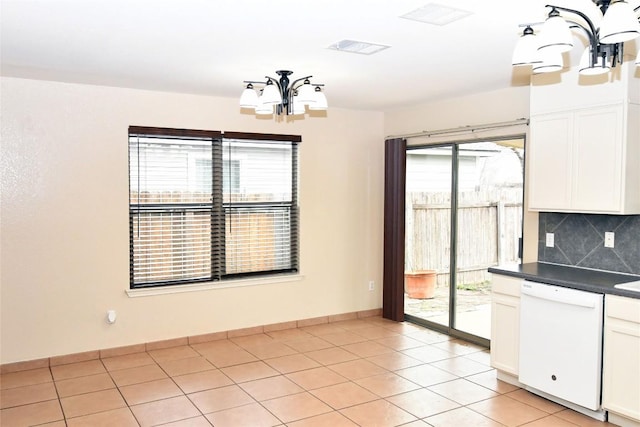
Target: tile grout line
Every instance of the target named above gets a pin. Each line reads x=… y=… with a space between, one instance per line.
x=351 y=381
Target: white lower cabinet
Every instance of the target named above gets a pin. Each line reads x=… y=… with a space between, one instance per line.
x=621 y=349
x=621 y=376
x=505 y=323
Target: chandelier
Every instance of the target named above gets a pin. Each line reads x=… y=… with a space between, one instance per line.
x=543 y=52
x=282 y=97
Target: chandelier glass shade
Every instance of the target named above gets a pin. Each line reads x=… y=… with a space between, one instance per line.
x=526 y=51
x=548 y=62
x=280 y=96
x=249 y=97
x=320 y=102
x=270 y=94
x=543 y=51
x=585 y=67
x=619 y=24
x=555 y=35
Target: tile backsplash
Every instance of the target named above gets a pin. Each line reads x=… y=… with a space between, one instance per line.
x=579 y=241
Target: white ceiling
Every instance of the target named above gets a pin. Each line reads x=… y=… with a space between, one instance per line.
x=210 y=46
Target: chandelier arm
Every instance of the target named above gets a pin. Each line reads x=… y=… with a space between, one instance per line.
x=293 y=85
x=274 y=81
x=574 y=24
x=594 y=48
x=619 y=53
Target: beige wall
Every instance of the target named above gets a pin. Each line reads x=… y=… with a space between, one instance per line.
x=64 y=213
x=64 y=235
x=478 y=109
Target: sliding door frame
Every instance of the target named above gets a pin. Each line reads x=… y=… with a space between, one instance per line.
x=453 y=267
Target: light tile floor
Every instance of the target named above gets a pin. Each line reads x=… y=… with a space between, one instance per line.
x=365 y=372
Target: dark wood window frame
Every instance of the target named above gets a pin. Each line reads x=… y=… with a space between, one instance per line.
x=220 y=206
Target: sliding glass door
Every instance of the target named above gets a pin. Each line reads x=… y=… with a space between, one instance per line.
x=463 y=215
x=428 y=233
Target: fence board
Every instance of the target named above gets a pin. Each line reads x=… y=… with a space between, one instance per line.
x=489 y=224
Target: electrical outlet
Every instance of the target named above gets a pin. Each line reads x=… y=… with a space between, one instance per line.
x=549 y=242
x=372 y=285
x=111 y=316
x=609 y=239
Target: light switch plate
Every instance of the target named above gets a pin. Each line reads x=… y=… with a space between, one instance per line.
x=549 y=242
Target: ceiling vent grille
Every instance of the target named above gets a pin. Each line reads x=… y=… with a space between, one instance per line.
x=362 y=48
x=436 y=14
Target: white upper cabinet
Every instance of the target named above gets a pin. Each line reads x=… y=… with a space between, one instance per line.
x=550 y=161
x=584 y=152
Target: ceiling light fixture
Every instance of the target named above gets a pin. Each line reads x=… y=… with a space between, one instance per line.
x=619 y=24
x=279 y=96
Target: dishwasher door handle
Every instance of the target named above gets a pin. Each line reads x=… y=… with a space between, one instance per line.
x=560 y=295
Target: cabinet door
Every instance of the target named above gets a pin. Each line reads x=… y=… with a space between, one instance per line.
x=597 y=151
x=621 y=376
x=505 y=331
x=550 y=162
x=505 y=323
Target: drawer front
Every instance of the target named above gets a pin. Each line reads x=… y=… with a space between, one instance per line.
x=622 y=308
x=506 y=285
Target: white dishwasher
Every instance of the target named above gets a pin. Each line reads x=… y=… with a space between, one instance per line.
x=561 y=345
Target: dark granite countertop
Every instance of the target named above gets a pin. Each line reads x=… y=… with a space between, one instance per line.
x=570 y=277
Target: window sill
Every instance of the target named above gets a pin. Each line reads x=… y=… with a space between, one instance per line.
x=211 y=286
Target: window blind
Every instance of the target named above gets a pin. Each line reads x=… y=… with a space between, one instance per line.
x=170 y=208
x=260 y=206
x=204 y=207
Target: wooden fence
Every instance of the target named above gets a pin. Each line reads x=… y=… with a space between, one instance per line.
x=177 y=245
x=489 y=226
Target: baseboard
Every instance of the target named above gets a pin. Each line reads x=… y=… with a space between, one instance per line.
x=619 y=420
x=175 y=342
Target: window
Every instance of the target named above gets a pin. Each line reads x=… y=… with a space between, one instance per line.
x=207 y=205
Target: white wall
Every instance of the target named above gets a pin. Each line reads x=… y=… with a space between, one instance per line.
x=473 y=110
x=64 y=212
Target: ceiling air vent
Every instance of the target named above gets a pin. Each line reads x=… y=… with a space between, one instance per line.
x=362 y=48
x=436 y=14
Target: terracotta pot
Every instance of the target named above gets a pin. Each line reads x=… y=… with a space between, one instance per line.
x=420 y=284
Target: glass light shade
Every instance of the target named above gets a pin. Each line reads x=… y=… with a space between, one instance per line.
x=585 y=67
x=271 y=95
x=320 y=101
x=298 y=107
x=550 y=62
x=264 y=109
x=638 y=58
x=620 y=24
x=555 y=36
x=306 y=94
x=526 y=51
x=249 y=98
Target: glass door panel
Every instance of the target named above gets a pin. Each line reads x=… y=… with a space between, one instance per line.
x=488 y=225
x=428 y=233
